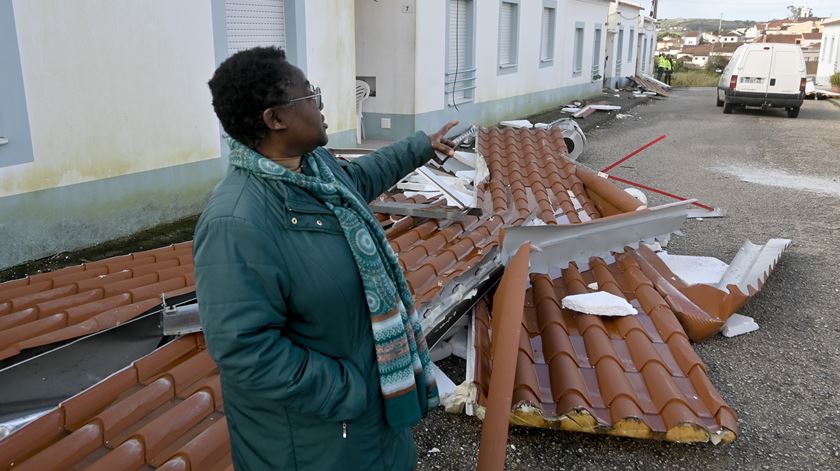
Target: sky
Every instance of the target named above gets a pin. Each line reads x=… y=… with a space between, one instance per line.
x=758 y=10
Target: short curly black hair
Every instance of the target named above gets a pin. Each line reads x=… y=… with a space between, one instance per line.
x=245 y=85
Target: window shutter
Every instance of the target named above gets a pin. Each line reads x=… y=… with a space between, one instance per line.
x=506 y=34
x=253 y=23
x=459 y=35
x=545 y=44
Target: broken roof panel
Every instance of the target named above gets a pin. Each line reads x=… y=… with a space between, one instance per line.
x=634 y=376
x=162 y=412
x=79 y=300
x=536 y=159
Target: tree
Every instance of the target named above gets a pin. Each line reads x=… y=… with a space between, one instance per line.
x=800 y=11
x=716 y=62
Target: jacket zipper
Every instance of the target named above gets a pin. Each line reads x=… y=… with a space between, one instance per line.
x=344 y=430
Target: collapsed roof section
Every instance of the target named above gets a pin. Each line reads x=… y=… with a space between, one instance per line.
x=634 y=376
x=164 y=411
x=76 y=301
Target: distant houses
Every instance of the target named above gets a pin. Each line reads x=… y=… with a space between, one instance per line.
x=818 y=37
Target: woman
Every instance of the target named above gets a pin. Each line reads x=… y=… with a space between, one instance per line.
x=303 y=304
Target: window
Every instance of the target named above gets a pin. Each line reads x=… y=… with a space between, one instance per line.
x=578 y=57
x=596 y=52
x=460 y=64
x=630 y=45
x=255 y=23
x=547 y=36
x=620 y=47
x=508 y=32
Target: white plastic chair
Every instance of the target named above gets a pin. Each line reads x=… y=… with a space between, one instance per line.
x=362 y=94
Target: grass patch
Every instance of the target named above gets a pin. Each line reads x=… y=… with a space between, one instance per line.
x=694 y=78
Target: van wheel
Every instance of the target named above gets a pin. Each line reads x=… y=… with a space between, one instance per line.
x=718 y=101
x=793 y=111
x=727 y=108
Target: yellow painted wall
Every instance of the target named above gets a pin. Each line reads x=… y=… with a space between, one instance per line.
x=113 y=87
x=331 y=59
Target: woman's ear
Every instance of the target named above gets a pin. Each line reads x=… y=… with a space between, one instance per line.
x=273 y=119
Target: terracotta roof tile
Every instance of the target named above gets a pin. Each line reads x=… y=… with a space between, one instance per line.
x=80 y=300
x=163 y=411
x=635 y=376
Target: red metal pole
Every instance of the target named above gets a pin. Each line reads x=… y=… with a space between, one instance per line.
x=605 y=169
x=661 y=192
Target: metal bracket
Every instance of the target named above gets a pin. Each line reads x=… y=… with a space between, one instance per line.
x=558 y=245
x=423 y=210
x=179 y=320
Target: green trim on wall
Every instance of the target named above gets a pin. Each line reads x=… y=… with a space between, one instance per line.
x=54 y=220
x=345 y=139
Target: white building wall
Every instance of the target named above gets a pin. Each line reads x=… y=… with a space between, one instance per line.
x=829 y=62
x=506 y=94
x=647 y=38
x=113 y=88
x=331 y=63
x=385 y=48
x=625 y=17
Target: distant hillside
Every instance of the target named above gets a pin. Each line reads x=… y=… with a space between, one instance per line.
x=701 y=24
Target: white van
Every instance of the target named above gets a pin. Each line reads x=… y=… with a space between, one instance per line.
x=764 y=74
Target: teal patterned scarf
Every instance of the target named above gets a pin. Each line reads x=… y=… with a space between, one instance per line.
x=405 y=375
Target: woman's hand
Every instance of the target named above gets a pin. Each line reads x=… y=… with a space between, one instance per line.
x=439 y=141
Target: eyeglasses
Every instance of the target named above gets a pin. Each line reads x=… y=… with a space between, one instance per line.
x=316 y=94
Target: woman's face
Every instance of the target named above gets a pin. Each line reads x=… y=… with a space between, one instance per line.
x=306 y=128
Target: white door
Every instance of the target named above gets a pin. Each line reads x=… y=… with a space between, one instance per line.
x=754 y=71
x=253 y=23
x=786 y=72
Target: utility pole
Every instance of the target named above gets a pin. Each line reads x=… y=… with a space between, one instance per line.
x=720 y=24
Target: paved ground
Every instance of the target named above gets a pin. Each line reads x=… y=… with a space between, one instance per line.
x=783 y=379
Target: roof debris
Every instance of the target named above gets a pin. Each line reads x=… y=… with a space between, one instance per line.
x=536 y=354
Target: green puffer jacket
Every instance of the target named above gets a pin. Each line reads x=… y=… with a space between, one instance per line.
x=285 y=318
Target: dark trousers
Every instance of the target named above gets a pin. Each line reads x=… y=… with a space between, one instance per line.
x=659 y=71
x=668 y=76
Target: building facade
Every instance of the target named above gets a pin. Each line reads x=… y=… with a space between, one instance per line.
x=829 y=57
x=106 y=124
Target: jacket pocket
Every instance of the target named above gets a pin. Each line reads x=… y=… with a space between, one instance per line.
x=310 y=217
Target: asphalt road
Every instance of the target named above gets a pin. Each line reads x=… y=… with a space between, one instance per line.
x=776 y=177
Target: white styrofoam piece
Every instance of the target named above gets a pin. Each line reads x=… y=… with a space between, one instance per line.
x=466 y=158
x=570 y=109
x=517 y=123
x=541 y=125
x=739 y=325
x=605 y=107
x=466 y=175
x=638 y=194
x=458 y=343
x=444 y=384
x=694 y=270
x=599 y=303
